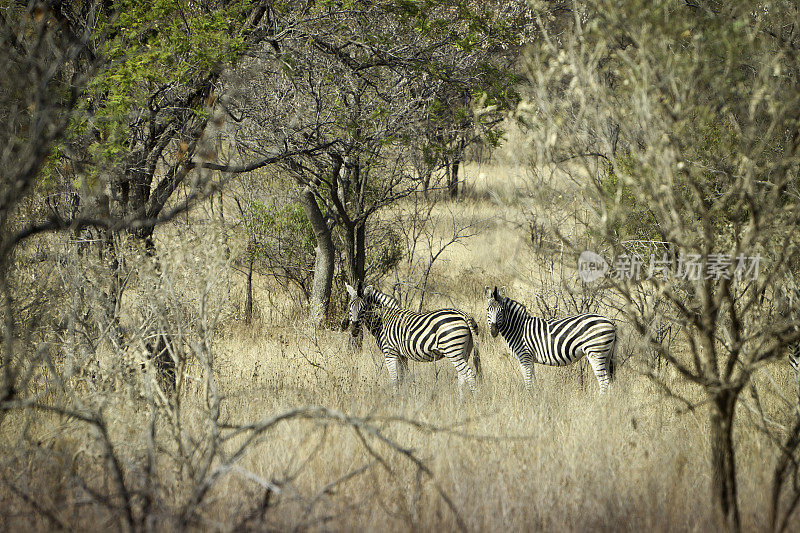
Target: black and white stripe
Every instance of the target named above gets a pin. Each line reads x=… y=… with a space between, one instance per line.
x=553 y=342
x=794 y=361
x=789 y=308
x=402 y=334
x=381 y=298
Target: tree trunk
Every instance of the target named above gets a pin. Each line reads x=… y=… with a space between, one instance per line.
x=323 y=259
x=354 y=267
x=785 y=470
x=112 y=297
x=149 y=244
x=361 y=250
x=355 y=252
x=723 y=459
x=426 y=183
x=248 y=304
x=452 y=178
x=454 y=166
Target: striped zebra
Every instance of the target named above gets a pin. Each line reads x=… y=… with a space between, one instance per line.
x=553 y=342
x=402 y=334
x=788 y=308
x=381 y=298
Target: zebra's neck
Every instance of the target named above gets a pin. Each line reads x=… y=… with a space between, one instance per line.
x=375 y=317
x=378 y=298
x=515 y=321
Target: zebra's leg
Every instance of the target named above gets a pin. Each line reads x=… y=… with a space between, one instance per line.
x=391 y=366
x=602 y=369
x=402 y=369
x=794 y=362
x=526 y=367
x=797 y=382
x=527 y=375
x=465 y=373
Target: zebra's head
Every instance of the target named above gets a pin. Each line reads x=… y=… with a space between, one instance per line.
x=356 y=306
x=495 y=312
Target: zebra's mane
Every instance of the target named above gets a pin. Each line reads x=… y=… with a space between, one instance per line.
x=514 y=307
x=381 y=299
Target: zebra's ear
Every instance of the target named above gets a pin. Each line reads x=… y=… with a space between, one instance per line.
x=350 y=290
x=502 y=291
x=487 y=292
x=369 y=289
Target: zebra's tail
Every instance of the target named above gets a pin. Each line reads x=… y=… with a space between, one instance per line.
x=476 y=358
x=612 y=361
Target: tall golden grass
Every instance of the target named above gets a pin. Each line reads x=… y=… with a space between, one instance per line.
x=562 y=457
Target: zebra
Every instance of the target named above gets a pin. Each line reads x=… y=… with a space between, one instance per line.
x=789 y=309
x=552 y=342
x=402 y=334
x=381 y=298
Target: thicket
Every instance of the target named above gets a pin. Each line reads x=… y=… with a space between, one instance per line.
x=679 y=120
x=337 y=127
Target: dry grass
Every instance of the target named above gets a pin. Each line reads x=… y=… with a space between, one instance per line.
x=562 y=457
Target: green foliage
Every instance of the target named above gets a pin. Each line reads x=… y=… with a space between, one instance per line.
x=384 y=252
x=462 y=45
x=621 y=188
x=693 y=96
x=279 y=231
x=154 y=49
x=281 y=241
x=494 y=137
x=632 y=219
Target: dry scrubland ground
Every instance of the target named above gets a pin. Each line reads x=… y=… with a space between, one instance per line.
x=559 y=458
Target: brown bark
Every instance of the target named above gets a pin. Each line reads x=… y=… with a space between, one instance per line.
x=426 y=183
x=723 y=459
x=355 y=252
x=248 y=304
x=454 y=166
x=452 y=178
x=785 y=469
x=323 y=259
